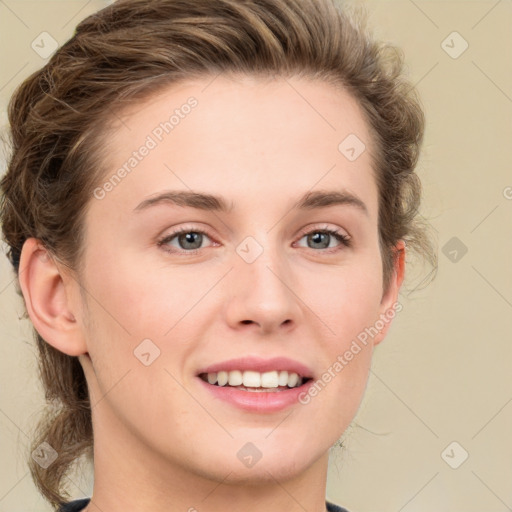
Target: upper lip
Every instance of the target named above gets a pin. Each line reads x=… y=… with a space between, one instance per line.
x=258 y=364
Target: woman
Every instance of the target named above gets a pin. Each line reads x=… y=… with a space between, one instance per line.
x=207 y=208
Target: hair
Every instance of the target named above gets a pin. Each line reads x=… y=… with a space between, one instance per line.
x=129 y=51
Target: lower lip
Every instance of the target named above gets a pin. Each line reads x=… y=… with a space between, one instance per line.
x=258 y=401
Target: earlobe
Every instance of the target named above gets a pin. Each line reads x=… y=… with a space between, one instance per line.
x=388 y=307
x=48 y=304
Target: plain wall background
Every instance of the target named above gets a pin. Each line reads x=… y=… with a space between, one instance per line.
x=443 y=373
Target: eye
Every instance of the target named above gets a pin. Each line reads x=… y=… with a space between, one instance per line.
x=190 y=240
x=322 y=238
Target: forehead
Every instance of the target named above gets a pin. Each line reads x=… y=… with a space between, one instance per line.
x=242 y=137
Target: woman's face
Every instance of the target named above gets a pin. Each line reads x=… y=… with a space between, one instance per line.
x=256 y=279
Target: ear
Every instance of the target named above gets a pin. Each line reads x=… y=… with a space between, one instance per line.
x=47 y=290
x=389 y=305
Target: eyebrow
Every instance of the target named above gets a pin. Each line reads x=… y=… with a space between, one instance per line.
x=209 y=202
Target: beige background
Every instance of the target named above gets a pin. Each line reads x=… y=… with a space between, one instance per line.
x=443 y=373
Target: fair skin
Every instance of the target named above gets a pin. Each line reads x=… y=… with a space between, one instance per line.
x=161 y=441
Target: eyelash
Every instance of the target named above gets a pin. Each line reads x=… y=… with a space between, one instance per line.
x=344 y=239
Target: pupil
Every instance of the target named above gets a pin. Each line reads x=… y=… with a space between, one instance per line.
x=316 y=236
x=189 y=238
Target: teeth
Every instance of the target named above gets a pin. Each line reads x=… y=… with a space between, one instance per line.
x=283 y=378
x=293 y=378
x=221 y=378
x=235 y=378
x=252 y=379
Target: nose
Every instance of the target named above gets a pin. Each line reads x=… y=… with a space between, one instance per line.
x=261 y=295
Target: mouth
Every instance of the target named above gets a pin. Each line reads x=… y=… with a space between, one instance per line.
x=256 y=382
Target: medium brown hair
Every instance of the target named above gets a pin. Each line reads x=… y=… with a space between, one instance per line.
x=129 y=51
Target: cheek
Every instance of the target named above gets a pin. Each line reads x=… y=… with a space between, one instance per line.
x=132 y=297
x=136 y=310
x=346 y=299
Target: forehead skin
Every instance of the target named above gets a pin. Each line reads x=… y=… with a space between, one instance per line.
x=261 y=144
